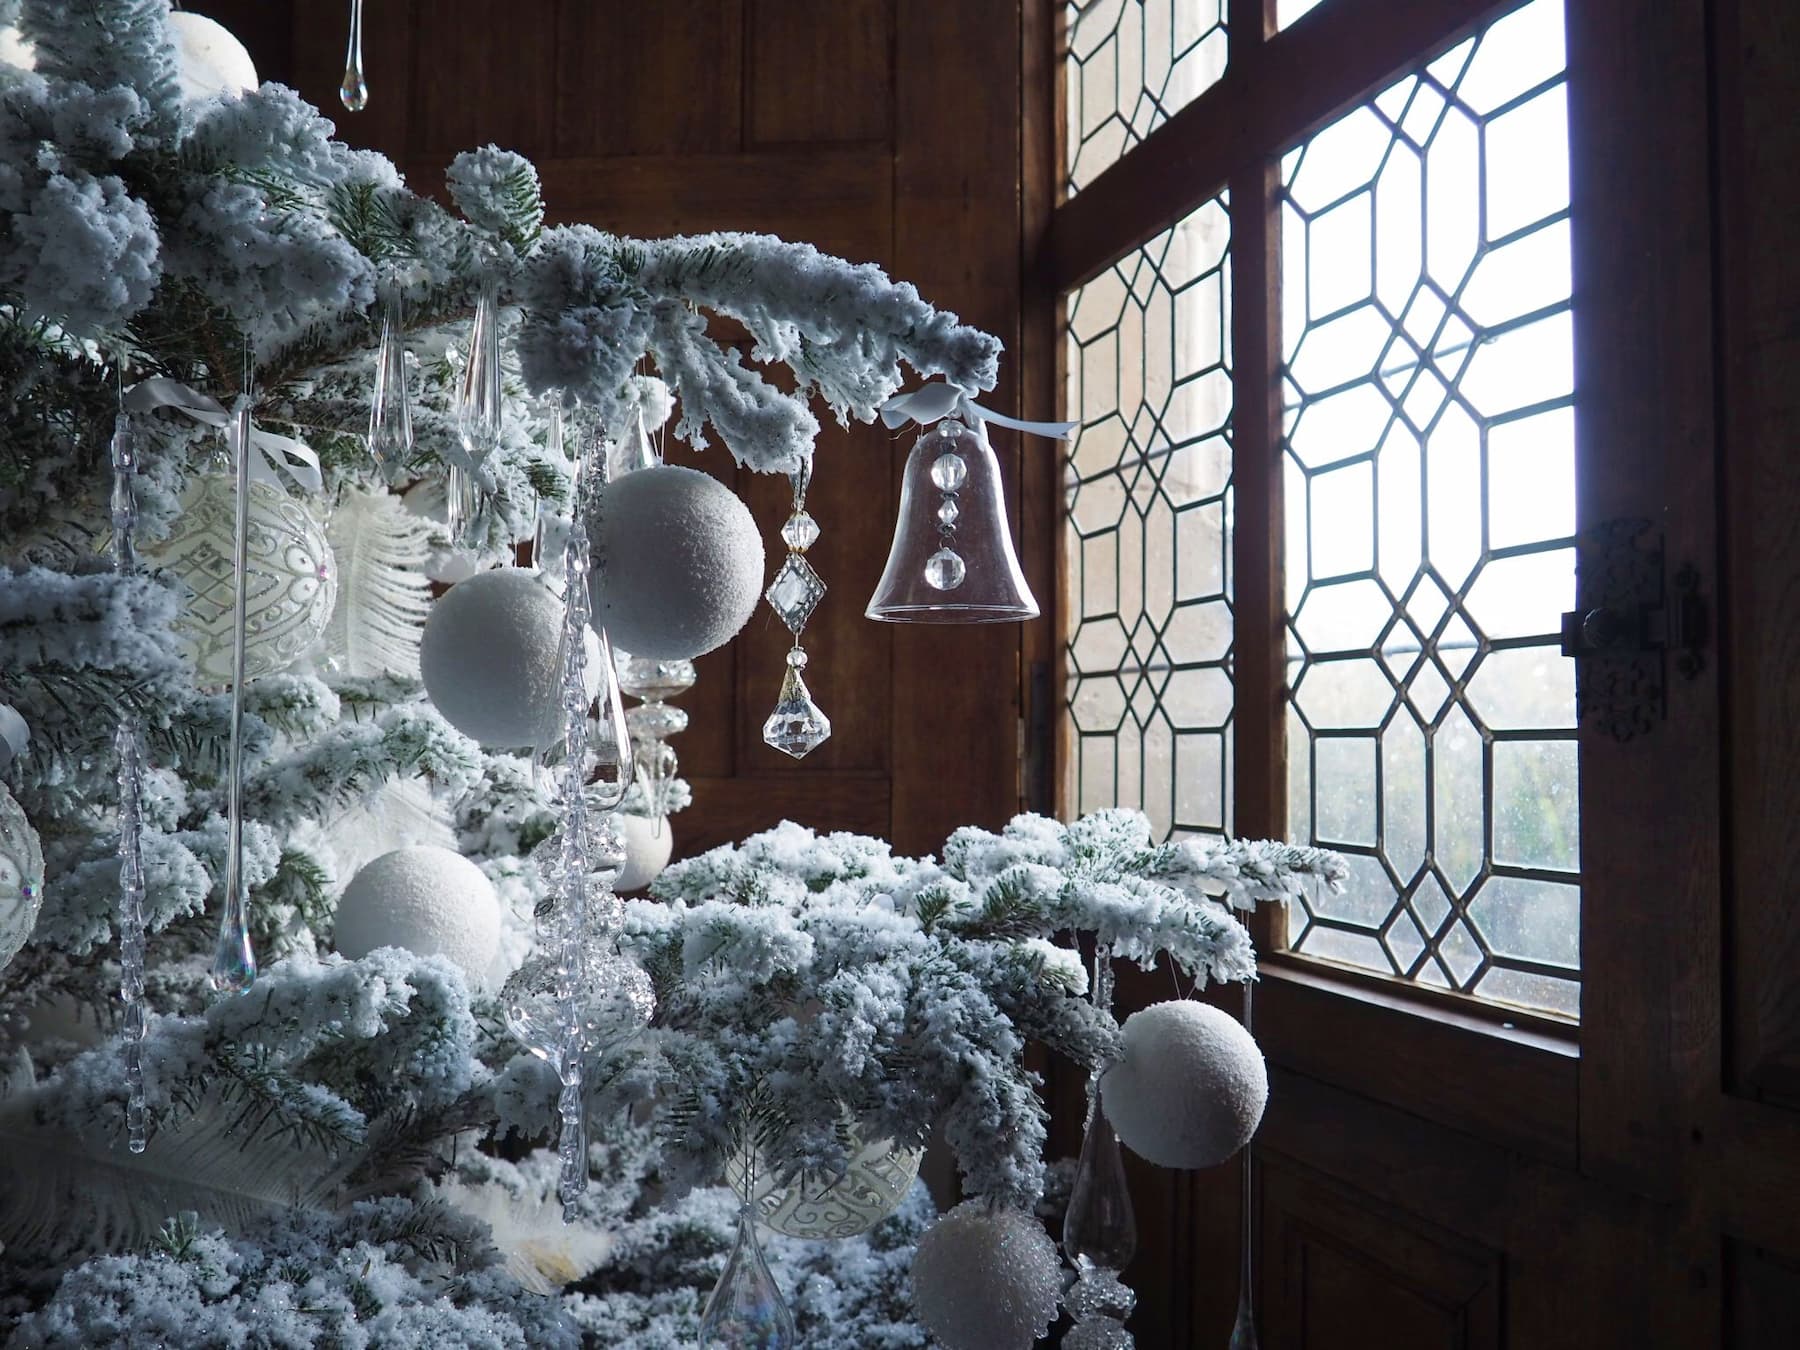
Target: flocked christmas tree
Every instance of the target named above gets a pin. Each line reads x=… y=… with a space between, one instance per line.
x=312 y=953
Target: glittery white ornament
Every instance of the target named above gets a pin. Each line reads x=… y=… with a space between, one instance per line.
x=648 y=847
x=1191 y=1088
x=428 y=900
x=678 y=562
x=209 y=59
x=21 y=878
x=986 y=1279
x=491 y=659
x=292 y=576
x=835 y=1206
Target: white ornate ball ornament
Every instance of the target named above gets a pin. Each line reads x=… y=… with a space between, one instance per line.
x=647 y=851
x=1191 y=1088
x=209 y=59
x=678 y=562
x=824 y=1206
x=986 y=1279
x=21 y=878
x=428 y=900
x=491 y=659
x=292 y=576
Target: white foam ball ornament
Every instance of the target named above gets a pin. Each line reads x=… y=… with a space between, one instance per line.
x=1191 y=1087
x=986 y=1279
x=678 y=562
x=429 y=900
x=648 y=848
x=209 y=59
x=491 y=659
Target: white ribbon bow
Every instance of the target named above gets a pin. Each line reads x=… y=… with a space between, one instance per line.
x=930 y=402
x=275 y=455
x=15 y=735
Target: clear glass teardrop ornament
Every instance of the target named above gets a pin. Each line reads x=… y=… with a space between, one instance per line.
x=478 y=403
x=390 y=415
x=746 y=1310
x=609 y=739
x=1099 y=1223
x=354 y=91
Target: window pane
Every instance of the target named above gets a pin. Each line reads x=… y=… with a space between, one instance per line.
x=1430 y=486
x=1286 y=11
x=1148 y=481
x=1128 y=67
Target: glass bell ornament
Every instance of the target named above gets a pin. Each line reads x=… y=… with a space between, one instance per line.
x=952 y=559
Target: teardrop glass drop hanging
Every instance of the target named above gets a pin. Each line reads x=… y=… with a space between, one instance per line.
x=390 y=416
x=1099 y=1223
x=635 y=451
x=234 y=959
x=354 y=91
x=746 y=1310
x=609 y=740
x=478 y=402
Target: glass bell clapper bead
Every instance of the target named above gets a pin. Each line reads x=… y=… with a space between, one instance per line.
x=390 y=416
x=234 y=959
x=798 y=726
x=746 y=1310
x=353 y=92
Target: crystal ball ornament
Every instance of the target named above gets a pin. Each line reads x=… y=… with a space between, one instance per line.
x=822 y=1206
x=678 y=562
x=1190 y=1089
x=491 y=658
x=986 y=1279
x=428 y=900
x=292 y=577
x=21 y=878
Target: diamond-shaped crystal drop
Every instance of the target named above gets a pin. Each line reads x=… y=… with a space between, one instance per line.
x=798 y=726
x=795 y=593
x=801 y=532
x=948 y=512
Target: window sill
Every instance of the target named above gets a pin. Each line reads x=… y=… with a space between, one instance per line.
x=1490 y=1074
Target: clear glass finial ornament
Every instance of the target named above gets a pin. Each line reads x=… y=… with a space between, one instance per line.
x=952 y=559
x=652 y=722
x=746 y=1310
x=390 y=415
x=798 y=726
x=353 y=92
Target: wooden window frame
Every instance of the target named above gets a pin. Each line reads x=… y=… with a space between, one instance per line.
x=1507 y=1074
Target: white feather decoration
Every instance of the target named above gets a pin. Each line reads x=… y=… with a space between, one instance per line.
x=383 y=593
x=542 y=1252
x=400 y=813
x=62 y=1197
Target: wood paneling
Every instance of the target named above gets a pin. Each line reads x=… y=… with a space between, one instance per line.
x=664 y=78
x=821 y=72
x=482 y=74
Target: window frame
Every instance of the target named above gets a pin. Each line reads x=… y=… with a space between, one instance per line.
x=1505 y=1073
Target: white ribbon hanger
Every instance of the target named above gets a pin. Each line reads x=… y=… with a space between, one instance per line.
x=932 y=402
x=275 y=457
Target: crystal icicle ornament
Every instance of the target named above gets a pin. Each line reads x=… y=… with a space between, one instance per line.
x=390 y=416
x=798 y=726
x=746 y=1310
x=478 y=408
x=234 y=959
x=129 y=743
x=354 y=90
x=635 y=451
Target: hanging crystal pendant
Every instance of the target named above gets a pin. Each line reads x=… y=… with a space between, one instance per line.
x=478 y=409
x=746 y=1310
x=354 y=90
x=1099 y=1224
x=795 y=593
x=635 y=451
x=798 y=726
x=234 y=959
x=390 y=416
x=609 y=739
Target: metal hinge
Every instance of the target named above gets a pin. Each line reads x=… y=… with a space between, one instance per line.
x=1630 y=618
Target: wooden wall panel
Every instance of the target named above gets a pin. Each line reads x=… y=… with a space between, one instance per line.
x=664 y=78
x=822 y=72
x=483 y=72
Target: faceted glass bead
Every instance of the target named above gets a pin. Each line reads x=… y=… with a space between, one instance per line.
x=652 y=680
x=798 y=726
x=949 y=471
x=795 y=593
x=944 y=570
x=948 y=511
x=654 y=721
x=801 y=532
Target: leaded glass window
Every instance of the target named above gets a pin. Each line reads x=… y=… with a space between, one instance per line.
x=1428 y=451
x=1147 y=539
x=1128 y=66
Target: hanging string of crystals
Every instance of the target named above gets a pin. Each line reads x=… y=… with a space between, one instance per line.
x=798 y=726
x=234 y=959
x=746 y=1310
x=129 y=742
x=1243 y=1330
x=390 y=415
x=354 y=90
x=946 y=569
x=1099 y=1229
x=478 y=411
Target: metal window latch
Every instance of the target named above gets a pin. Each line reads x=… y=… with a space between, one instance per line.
x=1630 y=619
